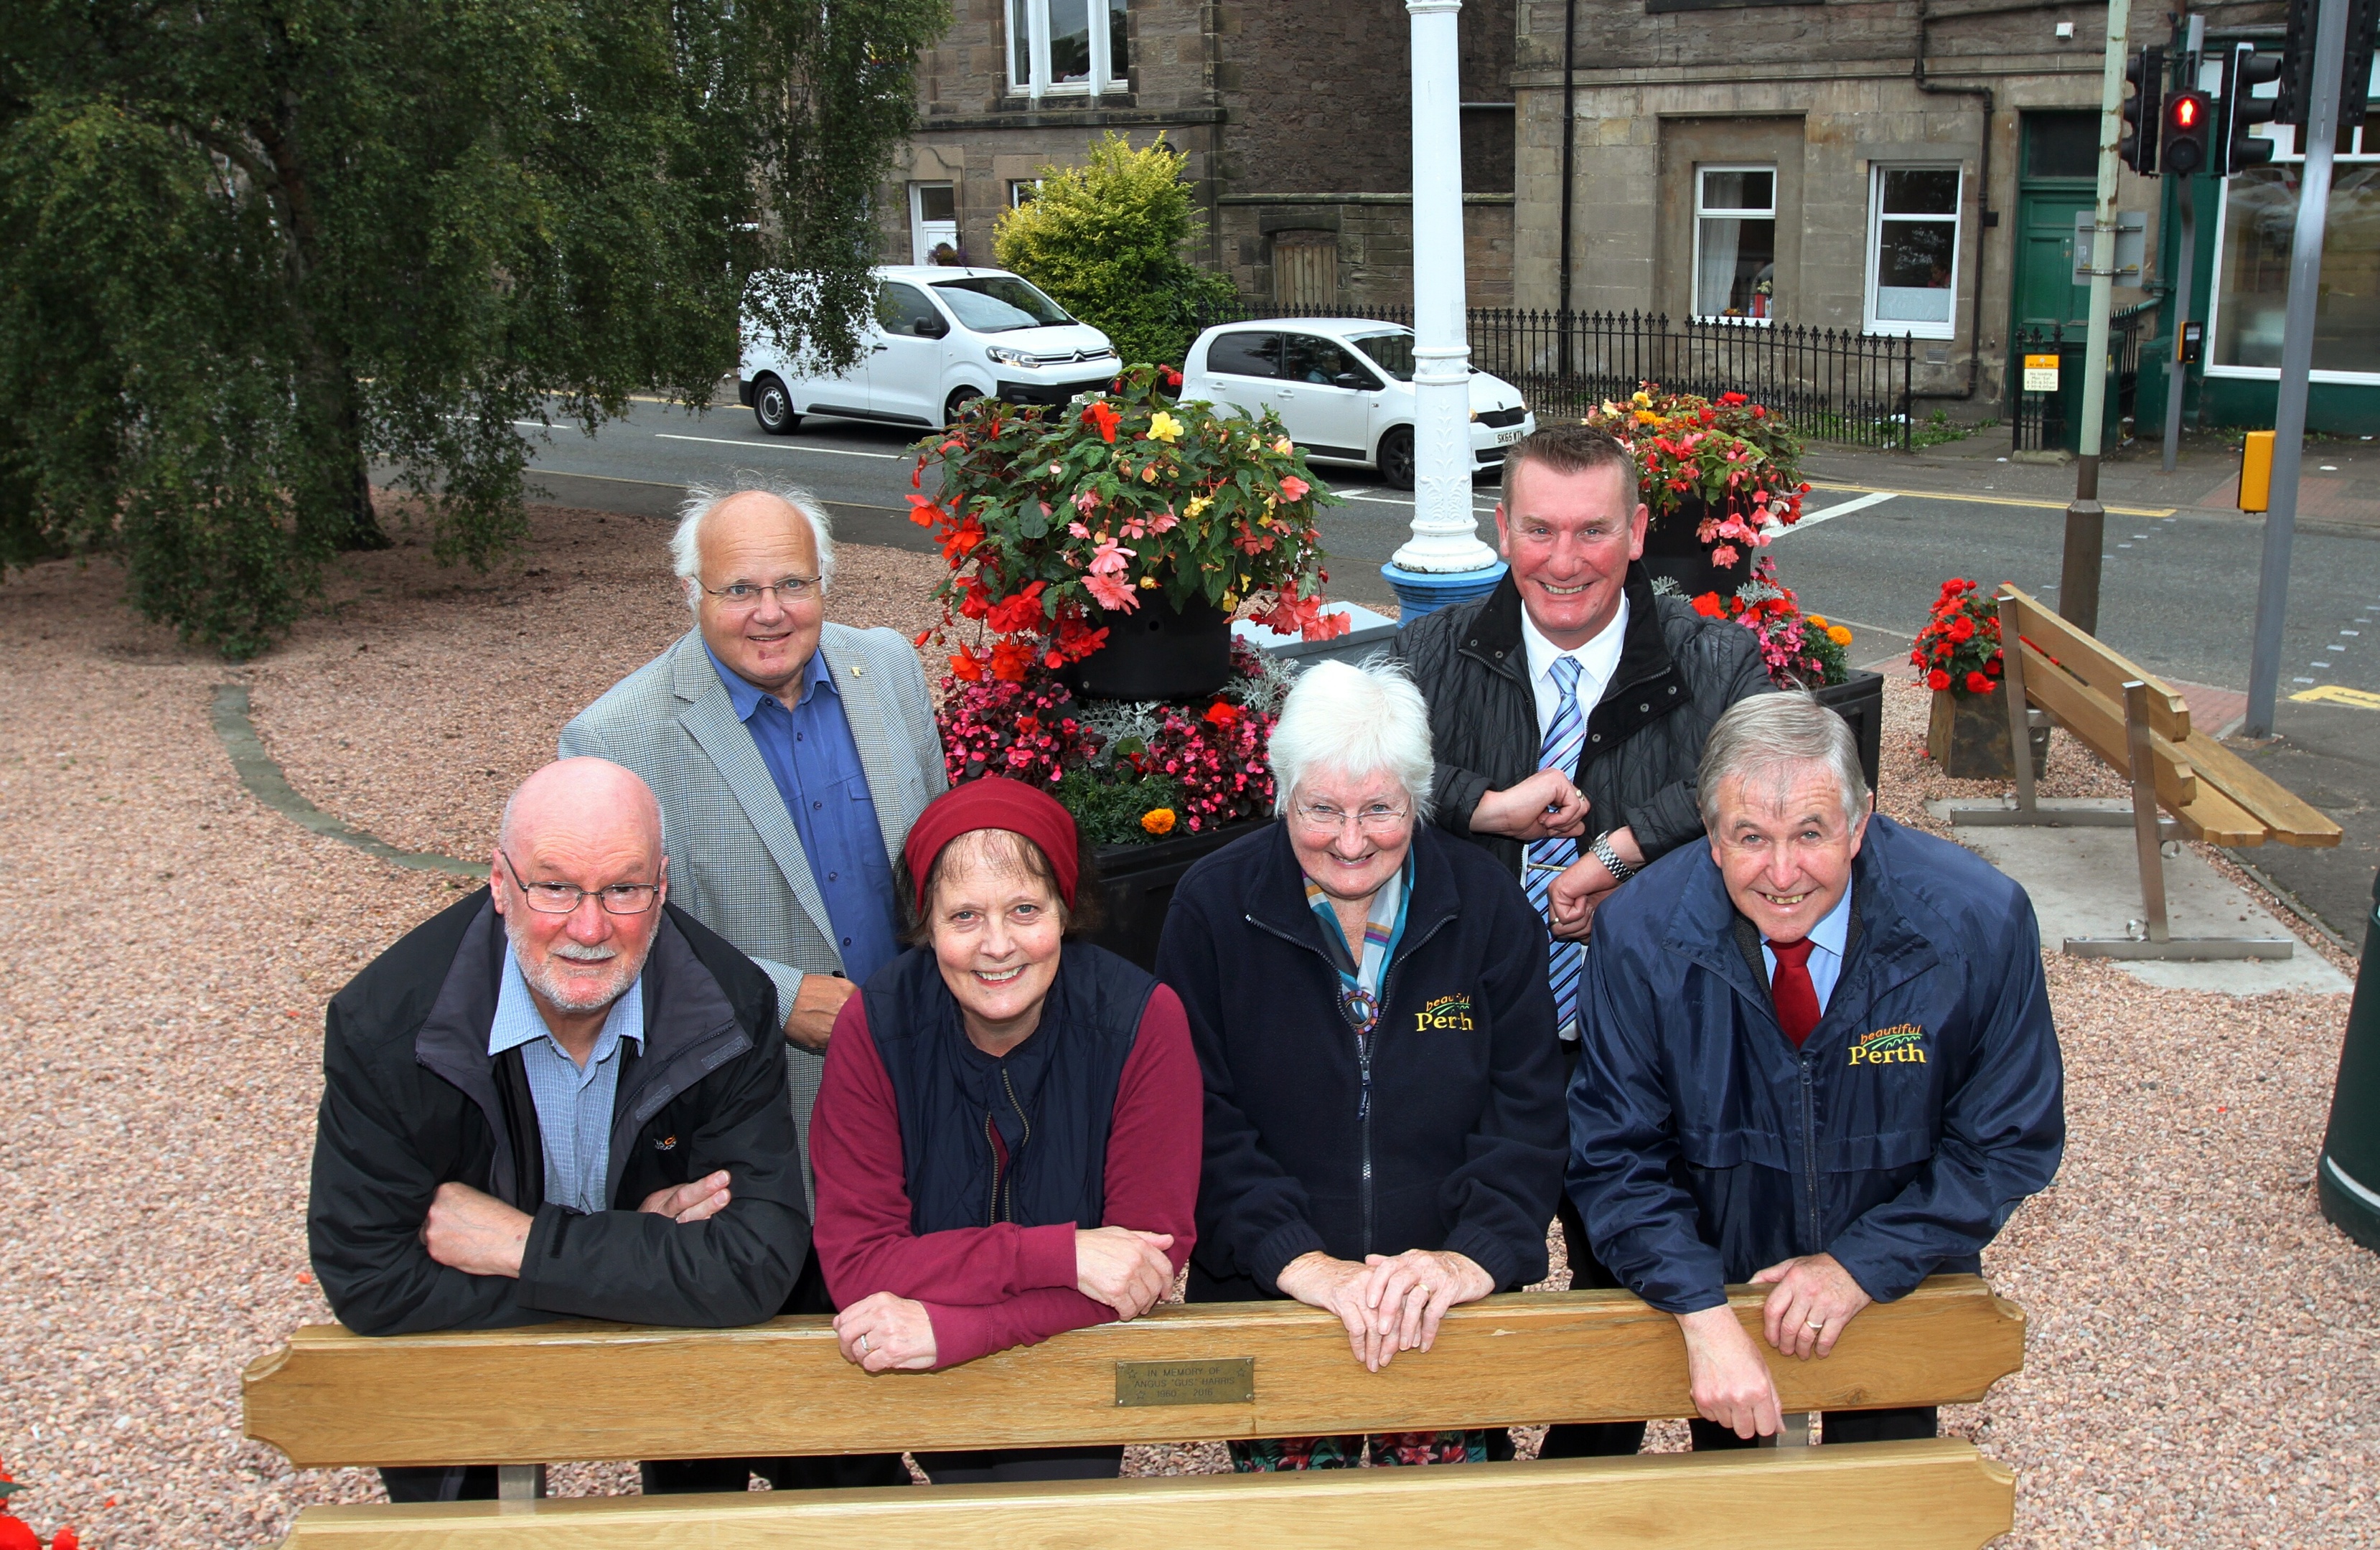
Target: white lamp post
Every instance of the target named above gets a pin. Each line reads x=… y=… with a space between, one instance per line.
x=1444 y=561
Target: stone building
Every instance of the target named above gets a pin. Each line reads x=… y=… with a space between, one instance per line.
x=1296 y=120
x=1902 y=167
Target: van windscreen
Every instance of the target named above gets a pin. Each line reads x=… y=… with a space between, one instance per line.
x=996 y=303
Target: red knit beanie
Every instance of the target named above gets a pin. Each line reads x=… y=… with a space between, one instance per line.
x=993 y=802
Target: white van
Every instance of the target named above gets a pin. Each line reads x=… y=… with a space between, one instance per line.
x=941 y=336
x=1343 y=389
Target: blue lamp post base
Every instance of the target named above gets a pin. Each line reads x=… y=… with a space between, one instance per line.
x=1421 y=592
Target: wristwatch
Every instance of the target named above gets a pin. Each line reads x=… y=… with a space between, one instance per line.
x=1620 y=871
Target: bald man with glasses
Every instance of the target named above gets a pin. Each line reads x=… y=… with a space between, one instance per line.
x=563 y=1096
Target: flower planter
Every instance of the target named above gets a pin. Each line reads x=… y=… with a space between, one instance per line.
x=1157 y=652
x=1968 y=737
x=1136 y=885
x=1860 y=701
x=1672 y=550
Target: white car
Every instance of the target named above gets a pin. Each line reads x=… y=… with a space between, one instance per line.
x=1343 y=389
x=941 y=336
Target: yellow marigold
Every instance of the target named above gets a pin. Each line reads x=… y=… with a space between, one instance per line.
x=1164 y=427
x=1840 y=636
x=1818 y=620
x=1646 y=417
x=1158 y=820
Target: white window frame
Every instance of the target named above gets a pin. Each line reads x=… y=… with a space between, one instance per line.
x=1896 y=327
x=1017 y=187
x=2285 y=151
x=918 y=246
x=1695 y=296
x=1103 y=77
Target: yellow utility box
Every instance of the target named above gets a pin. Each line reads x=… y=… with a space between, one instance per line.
x=2256 y=472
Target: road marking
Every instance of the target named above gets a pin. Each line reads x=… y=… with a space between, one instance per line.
x=1988 y=500
x=660 y=484
x=774 y=446
x=1811 y=519
x=2333 y=694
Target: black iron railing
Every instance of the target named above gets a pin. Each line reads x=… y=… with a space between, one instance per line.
x=2052 y=418
x=1831 y=384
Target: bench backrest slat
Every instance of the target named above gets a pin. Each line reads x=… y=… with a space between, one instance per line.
x=595 y=1391
x=2106 y=670
x=1913 y=1495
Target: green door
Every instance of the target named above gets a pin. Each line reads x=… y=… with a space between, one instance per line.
x=2055 y=179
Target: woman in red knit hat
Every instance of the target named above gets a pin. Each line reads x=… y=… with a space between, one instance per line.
x=1007 y=1135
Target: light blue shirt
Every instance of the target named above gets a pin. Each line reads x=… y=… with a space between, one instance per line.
x=1826 y=951
x=574 y=1102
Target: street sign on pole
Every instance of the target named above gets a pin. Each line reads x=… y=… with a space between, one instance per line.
x=2086 y=520
x=2320 y=139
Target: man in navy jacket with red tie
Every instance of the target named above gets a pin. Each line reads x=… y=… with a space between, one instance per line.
x=1817 y=1057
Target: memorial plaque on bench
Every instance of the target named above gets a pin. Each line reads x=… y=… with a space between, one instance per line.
x=1230 y=1380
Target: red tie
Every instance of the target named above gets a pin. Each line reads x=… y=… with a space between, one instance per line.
x=1796 y=997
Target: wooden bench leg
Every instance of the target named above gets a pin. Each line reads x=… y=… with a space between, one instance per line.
x=520 y=1483
x=2160 y=942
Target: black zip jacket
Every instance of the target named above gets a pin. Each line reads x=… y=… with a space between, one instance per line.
x=1460 y=1145
x=411 y=1099
x=1678 y=673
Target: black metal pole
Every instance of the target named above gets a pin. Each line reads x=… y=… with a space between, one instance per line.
x=1570 y=143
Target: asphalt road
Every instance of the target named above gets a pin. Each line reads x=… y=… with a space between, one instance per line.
x=2178 y=591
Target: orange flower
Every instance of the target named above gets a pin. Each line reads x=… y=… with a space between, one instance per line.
x=1104 y=417
x=1010 y=658
x=1158 y=820
x=965 y=667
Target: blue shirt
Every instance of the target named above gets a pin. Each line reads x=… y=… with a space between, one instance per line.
x=1826 y=951
x=574 y=1102
x=815 y=764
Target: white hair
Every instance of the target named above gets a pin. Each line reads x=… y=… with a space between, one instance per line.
x=1772 y=735
x=1356 y=721
x=701 y=500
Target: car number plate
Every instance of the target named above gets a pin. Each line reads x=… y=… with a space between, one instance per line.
x=1506 y=438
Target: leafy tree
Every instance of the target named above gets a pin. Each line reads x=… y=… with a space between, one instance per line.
x=252 y=248
x=1105 y=241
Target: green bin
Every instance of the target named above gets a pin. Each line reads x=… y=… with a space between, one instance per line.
x=2349 y=1176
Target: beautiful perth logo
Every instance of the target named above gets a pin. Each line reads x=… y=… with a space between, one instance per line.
x=1448 y=1014
x=1903 y=1043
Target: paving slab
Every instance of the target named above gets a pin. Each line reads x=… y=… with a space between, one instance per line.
x=2087 y=882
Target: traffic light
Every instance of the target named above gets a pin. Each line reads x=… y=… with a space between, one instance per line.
x=2188 y=122
x=2243 y=110
x=2145 y=73
x=2296 y=102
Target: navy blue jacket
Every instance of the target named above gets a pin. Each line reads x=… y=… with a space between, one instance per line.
x=1050 y=1098
x=1927 y=1103
x=1462 y=1147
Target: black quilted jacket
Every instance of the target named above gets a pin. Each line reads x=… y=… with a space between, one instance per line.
x=1678 y=671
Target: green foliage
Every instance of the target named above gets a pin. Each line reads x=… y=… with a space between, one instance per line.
x=1105 y=241
x=1938 y=429
x=1108 y=803
x=250 y=251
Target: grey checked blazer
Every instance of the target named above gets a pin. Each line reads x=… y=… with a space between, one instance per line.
x=735 y=857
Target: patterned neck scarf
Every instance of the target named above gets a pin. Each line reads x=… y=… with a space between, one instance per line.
x=1359 y=983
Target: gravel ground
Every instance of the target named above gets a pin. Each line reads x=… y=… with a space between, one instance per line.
x=2204 y=1366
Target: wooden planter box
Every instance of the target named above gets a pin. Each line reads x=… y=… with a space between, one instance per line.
x=1136 y=885
x=1860 y=701
x=1968 y=737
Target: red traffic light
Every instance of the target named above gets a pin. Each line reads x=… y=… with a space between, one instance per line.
x=2187 y=120
x=2185 y=113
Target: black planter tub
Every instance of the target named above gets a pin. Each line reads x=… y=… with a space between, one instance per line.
x=1136 y=885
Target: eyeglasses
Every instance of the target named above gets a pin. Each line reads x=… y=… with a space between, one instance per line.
x=1378 y=818
x=561 y=898
x=741 y=596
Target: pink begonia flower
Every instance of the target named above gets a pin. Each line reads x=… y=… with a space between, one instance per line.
x=1294 y=488
x=1088 y=502
x=1112 y=594
x=1110 y=558
x=1057 y=467
x=1723 y=555
x=1165 y=521
x=1078 y=529
x=1134 y=528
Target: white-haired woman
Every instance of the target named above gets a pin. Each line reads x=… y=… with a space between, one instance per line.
x=1384 y=1092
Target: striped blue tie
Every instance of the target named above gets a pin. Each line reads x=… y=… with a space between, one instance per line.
x=1548 y=858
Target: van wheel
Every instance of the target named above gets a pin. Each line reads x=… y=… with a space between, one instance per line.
x=959 y=399
x=773 y=408
x=1397 y=458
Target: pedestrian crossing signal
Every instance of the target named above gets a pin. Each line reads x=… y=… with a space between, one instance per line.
x=2183 y=150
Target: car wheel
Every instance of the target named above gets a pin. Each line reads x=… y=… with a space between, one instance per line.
x=773 y=408
x=1397 y=458
x=959 y=399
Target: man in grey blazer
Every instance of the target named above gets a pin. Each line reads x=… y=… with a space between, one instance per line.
x=790 y=756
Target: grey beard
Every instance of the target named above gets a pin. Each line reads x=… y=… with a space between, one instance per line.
x=542 y=979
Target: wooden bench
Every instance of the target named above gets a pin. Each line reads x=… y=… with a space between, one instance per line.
x=522 y=1397
x=2137 y=724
